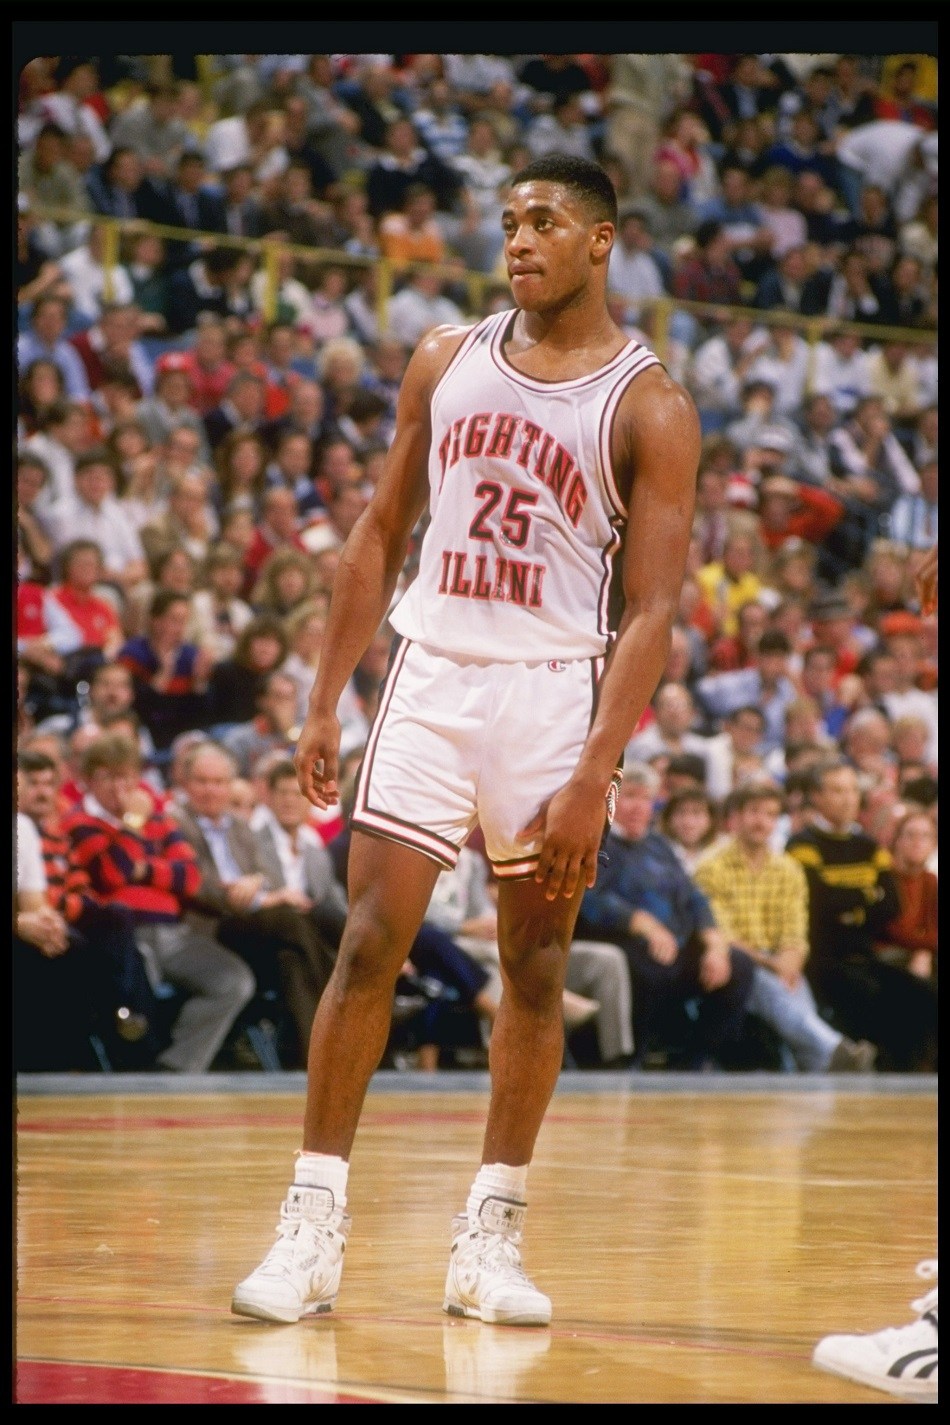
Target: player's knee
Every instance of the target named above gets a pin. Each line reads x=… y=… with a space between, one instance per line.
x=535 y=976
x=371 y=954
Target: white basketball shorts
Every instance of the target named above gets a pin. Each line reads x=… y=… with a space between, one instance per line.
x=462 y=740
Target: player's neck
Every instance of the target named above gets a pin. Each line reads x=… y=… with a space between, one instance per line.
x=566 y=329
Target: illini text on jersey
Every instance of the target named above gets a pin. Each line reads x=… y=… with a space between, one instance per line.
x=543 y=458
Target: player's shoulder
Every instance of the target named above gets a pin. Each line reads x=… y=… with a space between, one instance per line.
x=439 y=344
x=433 y=355
x=655 y=384
x=655 y=406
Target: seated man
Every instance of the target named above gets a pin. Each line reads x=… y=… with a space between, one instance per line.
x=136 y=857
x=760 y=899
x=268 y=925
x=99 y=984
x=292 y=853
x=273 y=728
x=852 y=898
x=645 y=902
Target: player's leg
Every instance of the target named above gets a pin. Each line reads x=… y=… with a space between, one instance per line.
x=390 y=886
x=485 y=1277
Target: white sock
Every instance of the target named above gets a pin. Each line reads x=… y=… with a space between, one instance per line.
x=496 y=1180
x=323 y=1170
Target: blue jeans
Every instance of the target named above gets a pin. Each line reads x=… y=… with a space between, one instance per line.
x=793 y=1015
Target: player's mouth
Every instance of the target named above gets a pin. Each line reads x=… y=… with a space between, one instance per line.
x=519 y=269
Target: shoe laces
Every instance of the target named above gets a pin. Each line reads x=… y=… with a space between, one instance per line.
x=927 y=1271
x=282 y=1256
x=498 y=1251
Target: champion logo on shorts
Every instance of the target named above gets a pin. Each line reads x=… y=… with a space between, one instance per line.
x=613 y=792
x=556 y=666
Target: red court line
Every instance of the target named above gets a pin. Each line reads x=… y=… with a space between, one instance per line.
x=229 y=1120
x=74 y=1383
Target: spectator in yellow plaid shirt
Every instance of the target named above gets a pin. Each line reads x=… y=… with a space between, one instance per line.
x=760 y=900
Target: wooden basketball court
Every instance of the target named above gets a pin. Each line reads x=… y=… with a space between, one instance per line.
x=697 y=1235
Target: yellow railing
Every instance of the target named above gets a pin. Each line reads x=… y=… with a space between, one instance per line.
x=270 y=250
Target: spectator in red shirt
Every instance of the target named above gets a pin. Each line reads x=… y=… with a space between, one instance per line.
x=93 y=620
x=912 y=934
x=279 y=528
x=137 y=858
x=789 y=510
x=902 y=102
x=99 y=984
x=205 y=363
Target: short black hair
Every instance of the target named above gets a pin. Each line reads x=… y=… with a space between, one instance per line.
x=774 y=641
x=586 y=180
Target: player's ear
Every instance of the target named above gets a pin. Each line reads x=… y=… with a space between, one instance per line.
x=602 y=240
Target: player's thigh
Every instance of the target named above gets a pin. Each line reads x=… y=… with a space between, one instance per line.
x=540 y=722
x=418 y=780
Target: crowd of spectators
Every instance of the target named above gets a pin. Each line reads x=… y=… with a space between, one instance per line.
x=200 y=422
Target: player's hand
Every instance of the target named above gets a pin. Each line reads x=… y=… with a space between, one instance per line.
x=317 y=759
x=571 y=825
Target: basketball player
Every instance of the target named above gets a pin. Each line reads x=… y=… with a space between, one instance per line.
x=901 y=1360
x=552 y=452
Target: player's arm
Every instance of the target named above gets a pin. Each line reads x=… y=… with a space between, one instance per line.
x=656 y=452
x=370 y=564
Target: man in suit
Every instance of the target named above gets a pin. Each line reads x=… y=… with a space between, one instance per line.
x=267 y=924
x=292 y=852
x=243 y=212
x=186 y=201
x=241 y=409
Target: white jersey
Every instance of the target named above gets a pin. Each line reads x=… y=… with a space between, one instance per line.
x=525 y=515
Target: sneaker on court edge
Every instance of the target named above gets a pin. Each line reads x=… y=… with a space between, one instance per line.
x=485 y=1279
x=901 y=1360
x=300 y=1275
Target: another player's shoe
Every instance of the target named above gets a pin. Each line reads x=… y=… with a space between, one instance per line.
x=300 y=1275
x=901 y=1360
x=485 y=1279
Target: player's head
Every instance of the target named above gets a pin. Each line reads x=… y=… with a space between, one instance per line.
x=587 y=182
x=559 y=224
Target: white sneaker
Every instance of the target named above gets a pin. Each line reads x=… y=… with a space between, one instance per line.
x=485 y=1279
x=901 y=1360
x=300 y=1275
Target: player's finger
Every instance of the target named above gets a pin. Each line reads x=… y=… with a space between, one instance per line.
x=572 y=875
x=555 y=878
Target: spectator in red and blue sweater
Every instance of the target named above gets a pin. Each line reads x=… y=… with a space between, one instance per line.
x=101 y=985
x=136 y=857
x=171 y=675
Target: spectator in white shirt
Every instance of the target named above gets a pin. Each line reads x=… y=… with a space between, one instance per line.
x=670 y=733
x=784 y=364
x=420 y=305
x=720 y=368
x=634 y=273
x=93 y=512
x=87 y=276
x=841 y=371
x=63 y=436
